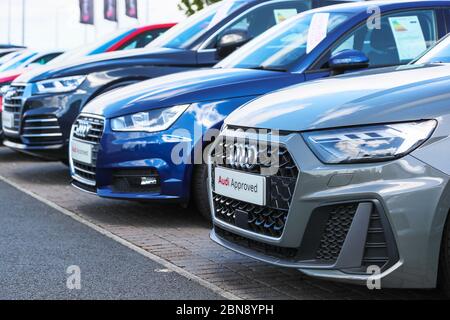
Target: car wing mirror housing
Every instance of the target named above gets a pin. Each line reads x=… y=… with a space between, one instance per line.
x=348 y=60
x=231 y=40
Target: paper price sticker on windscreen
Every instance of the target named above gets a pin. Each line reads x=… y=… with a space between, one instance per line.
x=317 y=30
x=283 y=14
x=408 y=36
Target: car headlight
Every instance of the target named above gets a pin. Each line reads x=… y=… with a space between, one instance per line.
x=368 y=143
x=60 y=85
x=150 y=121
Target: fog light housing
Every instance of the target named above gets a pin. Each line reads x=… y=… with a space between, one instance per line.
x=136 y=181
x=149 y=181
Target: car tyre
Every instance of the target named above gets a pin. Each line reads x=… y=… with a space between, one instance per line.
x=444 y=261
x=200 y=191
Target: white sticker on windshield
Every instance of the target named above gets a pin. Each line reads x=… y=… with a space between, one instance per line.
x=317 y=30
x=408 y=36
x=283 y=14
x=221 y=13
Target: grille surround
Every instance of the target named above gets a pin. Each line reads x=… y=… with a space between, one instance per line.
x=268 y=220
x=81 y=172
x=14 y=105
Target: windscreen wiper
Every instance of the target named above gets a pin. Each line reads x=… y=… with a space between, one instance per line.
x=268 y=68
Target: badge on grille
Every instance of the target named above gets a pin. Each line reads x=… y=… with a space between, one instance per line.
x=82 y=128
x=10 y=93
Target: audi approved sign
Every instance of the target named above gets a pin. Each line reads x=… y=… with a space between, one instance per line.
x=81 y=151
x=241 y=186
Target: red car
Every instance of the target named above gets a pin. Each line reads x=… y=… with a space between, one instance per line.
x=130 y=39
x=140 y=37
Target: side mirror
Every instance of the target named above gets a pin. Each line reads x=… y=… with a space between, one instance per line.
x=230 y=41
x=348 y=60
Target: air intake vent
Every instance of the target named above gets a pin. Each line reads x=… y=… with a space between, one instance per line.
x=376 y=249
x=336 y=229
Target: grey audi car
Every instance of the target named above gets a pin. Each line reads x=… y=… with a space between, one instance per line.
x=345 y=178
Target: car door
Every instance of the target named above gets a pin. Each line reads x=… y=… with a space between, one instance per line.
x=396 y=39
x=254 y=21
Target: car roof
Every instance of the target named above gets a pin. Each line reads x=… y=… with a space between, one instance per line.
x=156 y=26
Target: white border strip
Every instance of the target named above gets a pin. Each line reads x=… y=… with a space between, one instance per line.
x=155 y=258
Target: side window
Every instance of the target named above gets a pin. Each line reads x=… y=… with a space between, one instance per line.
x=401 y=38
x=264 y=17
x=46 y=58
x=142 y=40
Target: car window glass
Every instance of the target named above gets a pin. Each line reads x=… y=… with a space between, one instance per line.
x=187 y=32
x=44 y=59
x=262 y=18
x=142 y=40
x=440 y=53
x=398 y=39
x=285 y=44
x=98 y=46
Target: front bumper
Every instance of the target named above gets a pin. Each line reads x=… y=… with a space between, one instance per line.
x=343 y=219
x=41 y=122
x=122 y=159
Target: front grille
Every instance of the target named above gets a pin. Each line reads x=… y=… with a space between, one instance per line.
x=86 y=173
x=12 y=102
x=270 y=219
x=42 y=130
x=337 y=226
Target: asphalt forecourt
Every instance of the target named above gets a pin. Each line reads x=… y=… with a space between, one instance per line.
x=47 y=255
x=175 y=240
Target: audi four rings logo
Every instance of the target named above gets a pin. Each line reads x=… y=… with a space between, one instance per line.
x=245 y=156
x=82 y=129
x=10 y=94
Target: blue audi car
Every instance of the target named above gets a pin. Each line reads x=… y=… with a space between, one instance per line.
x=147 y=141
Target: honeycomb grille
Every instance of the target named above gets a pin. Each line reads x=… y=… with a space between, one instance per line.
x=270 y=219
x=335 y=232
x=263 y=220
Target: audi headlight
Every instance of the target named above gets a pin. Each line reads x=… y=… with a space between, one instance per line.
x=369 y=143
x=60 y=85
x=150 y=121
